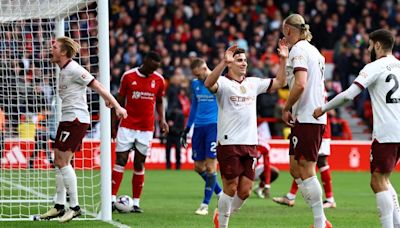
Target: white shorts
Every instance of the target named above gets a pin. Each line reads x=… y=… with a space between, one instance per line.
x=325 y=149
x=128 y=139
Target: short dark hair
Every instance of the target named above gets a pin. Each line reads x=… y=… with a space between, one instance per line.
x=384 y=37
x=239 y=51
x=152 y=55
x=196 y=62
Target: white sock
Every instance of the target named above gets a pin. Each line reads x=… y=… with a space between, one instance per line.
x=236 y=204
x=224 y=208
x=385 y=205
x=299 y=183
x=60 y=188
x=69 y=177
x=330 y=199
x=312 y=193
x=291 y=196
x=396 y=210
x=113 y=198
x=136 y=202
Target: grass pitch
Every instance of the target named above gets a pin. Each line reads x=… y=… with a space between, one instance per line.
x=170 y=198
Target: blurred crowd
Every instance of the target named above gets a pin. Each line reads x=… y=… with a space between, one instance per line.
x=183 y=29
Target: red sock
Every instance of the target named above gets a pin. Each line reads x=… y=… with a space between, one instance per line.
x=117 y=174
x=137 y=183
x=293 y=188
x=326 y=181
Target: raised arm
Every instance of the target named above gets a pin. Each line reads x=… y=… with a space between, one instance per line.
x=281 y=78
x=108 y=98
x=211 y=81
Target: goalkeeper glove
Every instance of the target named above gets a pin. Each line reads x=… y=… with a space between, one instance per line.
x=184 y=137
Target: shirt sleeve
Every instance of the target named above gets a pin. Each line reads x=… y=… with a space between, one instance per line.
x=298 y=60
x=193 y=107
x=366 y=77
x=161 y=89
x=122 y=86
x=221 y=84
x=82 y=76
x=264 y=84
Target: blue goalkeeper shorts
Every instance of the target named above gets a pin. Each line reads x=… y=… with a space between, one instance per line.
x=204 y=143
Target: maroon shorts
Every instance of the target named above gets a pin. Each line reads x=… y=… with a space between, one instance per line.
x=305 y=141
x=384 y=156
x=237 y=160
x=69 y=135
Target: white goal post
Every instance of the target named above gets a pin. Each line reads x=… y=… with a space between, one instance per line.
x=30 y=109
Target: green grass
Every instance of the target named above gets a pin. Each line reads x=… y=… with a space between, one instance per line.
x=171 y=197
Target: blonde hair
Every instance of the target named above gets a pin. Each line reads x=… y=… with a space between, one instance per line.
x=69 y=45
x=297 y=21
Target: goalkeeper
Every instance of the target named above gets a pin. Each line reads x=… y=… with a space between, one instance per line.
x=75 y=120
x=203 y=113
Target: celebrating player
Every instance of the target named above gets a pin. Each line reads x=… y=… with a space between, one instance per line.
x=323 y=167
x=142 y=88
x=237 y=126
x=381 y=77
x=75 y=120
x=203 y=113
x=306 y=84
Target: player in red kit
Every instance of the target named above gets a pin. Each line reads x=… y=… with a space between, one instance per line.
x=323 y=166
x=141 y=91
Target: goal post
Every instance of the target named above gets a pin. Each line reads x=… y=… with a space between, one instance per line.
x=31 y=107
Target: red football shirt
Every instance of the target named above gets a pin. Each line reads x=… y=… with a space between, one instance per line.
x=140 y=94
x=327 y=133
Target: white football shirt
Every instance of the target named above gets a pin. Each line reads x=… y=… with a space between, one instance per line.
x=72 y=87
x=237 y=114
x=305 y=57
x=382 y=77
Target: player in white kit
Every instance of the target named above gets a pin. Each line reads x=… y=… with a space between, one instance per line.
x=75 y=120
x=237 y=126
x=305 y=71
x=381 y=77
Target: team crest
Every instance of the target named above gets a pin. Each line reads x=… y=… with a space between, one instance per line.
x=153 y=84
x=242 y=89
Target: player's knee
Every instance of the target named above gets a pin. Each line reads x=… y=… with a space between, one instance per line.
x=321 y=162
x=138 y=166
x=274 y=174
x=244 y=194
x=294 y=172
x=122 y=159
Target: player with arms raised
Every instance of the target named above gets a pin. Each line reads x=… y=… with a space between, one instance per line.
x=237 y=126
x=381 y=77
x=75 y=120
x=141 y=91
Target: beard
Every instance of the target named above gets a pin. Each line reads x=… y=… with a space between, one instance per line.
x=373 y=55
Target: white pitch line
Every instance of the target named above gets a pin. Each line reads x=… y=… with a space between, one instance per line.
x=39 y=194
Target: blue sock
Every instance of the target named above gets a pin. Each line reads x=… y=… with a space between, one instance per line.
x=208 y=190
x=217 y=188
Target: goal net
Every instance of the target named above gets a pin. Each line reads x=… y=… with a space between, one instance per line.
x=30 y=108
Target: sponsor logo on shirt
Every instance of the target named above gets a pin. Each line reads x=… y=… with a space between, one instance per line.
x=142 y=95
x=241 y=101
